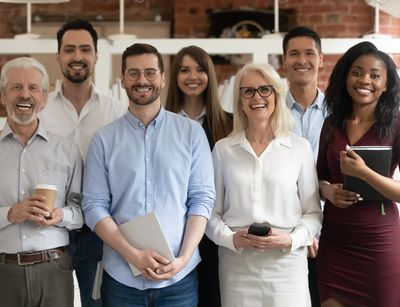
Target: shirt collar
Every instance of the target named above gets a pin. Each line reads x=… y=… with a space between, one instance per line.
x=240 y=139
x=201 y=115
x=317 y=103
x=8 y=131
x=132 y=119
x=94 y=92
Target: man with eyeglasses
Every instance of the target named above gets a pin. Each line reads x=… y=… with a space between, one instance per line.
x=302 y=58
x=76 y=109
x=149 y=160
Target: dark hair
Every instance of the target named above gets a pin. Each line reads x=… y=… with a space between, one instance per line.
x=339 y=103
x=139 y=49
x=78 y=24
x=219 y=122
x=301 y=32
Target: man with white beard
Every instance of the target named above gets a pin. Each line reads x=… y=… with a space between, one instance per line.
x=35 y=269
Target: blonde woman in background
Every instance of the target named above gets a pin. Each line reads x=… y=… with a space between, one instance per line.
x=263 y=174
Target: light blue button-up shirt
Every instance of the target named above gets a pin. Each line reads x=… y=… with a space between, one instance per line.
x=132 y=170
x=308 y=123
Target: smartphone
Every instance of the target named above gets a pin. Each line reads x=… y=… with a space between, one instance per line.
x=259 y=229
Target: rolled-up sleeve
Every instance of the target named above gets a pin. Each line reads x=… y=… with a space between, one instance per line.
x=201 y=190
x=96 y=190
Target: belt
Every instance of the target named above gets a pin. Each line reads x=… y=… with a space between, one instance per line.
x=28 y=258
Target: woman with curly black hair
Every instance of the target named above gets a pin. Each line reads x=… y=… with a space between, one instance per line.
x=359 y=253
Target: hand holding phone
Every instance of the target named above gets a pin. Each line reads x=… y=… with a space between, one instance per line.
x=259 y=229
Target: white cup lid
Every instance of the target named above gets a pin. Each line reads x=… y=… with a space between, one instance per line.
x=46 y=187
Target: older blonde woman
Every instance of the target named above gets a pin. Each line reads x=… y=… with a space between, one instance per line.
x=263 y=174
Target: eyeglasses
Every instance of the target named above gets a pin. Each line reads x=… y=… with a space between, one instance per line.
x=149 y=73
x=264 y=91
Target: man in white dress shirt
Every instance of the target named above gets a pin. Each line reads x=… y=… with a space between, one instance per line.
x=76 y=110
x=35 y=269
x=302 y=58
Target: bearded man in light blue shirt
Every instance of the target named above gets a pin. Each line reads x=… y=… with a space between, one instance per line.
x=149 y=160
x=302 y=58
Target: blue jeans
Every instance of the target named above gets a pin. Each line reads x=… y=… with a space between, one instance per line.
x=85 y=249
x=181 y=294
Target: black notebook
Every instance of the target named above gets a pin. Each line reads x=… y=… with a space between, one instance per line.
x=378 y=159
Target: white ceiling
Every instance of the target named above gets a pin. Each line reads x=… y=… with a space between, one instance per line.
x=391 y=7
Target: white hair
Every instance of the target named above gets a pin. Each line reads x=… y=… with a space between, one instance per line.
x=24 y=62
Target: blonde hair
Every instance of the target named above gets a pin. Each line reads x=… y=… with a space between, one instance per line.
x=282 y=122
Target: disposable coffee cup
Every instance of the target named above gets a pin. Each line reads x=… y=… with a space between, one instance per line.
x=50 y=192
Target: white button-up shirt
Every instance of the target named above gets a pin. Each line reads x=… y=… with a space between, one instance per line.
x=60 y=116
x=279 y=187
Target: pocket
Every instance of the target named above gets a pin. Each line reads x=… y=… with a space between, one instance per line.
x=64 y=263
x=57 y=178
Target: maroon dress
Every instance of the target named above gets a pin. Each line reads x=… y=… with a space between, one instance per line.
x=358 y=260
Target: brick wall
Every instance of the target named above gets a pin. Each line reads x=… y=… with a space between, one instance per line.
x=341 y=18
x=92 y=10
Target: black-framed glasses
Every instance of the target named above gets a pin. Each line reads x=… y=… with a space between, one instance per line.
x=264 y=91
x=149 y=73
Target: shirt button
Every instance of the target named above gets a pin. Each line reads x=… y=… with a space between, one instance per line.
x=148 y=159
x=24 y=150
x=148 y=181
x=23 y=237
x=23 y=192
x=23 y=170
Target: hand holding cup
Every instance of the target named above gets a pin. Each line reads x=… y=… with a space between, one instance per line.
x=50 y=192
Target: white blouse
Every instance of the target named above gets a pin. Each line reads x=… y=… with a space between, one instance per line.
x=279 y=187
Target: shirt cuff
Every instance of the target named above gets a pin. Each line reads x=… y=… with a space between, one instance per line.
x=67 y=218
x=298 y=239
x=200 y=209
x=93 y=218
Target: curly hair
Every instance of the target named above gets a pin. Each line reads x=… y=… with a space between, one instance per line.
x=339 y=103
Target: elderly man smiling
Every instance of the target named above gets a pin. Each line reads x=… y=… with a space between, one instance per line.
x=35 y=269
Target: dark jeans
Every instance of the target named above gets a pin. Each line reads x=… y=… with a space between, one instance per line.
x=312 y=282
x=86 y=249
x=181 y=294
x=46 y=284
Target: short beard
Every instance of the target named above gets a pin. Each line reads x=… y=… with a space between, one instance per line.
x=23 y=120
x=76 y=79
x=144 y=102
